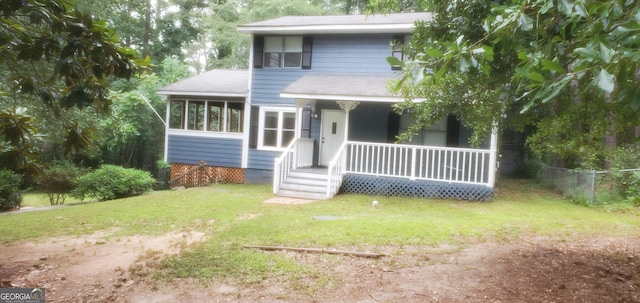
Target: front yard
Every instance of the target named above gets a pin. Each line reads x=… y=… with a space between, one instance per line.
x=529 y=244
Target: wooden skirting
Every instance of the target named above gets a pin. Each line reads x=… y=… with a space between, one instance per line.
x=193 y=175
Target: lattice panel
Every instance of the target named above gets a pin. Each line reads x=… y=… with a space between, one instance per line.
x=193 y=175
x=360 y=184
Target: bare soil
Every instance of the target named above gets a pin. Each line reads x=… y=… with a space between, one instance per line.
x=104 y=268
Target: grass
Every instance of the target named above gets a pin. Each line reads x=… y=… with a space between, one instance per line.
x=239 y=217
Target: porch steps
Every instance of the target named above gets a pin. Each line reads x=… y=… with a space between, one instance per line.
x=307 y=183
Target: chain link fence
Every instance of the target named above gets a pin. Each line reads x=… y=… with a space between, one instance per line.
x=588 y=186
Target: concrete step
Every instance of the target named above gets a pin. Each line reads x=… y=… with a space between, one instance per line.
x=301 y=194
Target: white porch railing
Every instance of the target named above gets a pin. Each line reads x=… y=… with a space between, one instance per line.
x=460 y=165
x=298 y=154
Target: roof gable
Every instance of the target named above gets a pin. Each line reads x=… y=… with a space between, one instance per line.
x=390 y=23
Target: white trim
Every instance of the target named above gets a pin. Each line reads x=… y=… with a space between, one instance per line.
x=280 y=111
x=347 y=98
x=204 y=134
x=329 y=29
x=247 y=112
x=202 y=94
x=166 y=131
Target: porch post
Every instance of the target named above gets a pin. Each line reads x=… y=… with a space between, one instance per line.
x=299 y=107
x=347 y=106
x=493 y=156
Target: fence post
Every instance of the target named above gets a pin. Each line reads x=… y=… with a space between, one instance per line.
x=593 y=186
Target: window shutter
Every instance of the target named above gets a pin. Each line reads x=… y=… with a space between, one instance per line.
x=307 y=46
x=258 y=51
x=253 y=127
x=397 y=45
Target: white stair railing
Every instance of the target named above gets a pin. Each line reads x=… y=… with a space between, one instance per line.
x=299 y=153
x=335 y=171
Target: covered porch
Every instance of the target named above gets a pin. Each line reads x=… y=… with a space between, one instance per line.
x=343 y=143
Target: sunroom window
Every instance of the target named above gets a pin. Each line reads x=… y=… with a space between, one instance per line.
x=204 y=115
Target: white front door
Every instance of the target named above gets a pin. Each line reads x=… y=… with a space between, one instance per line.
x=331 y=134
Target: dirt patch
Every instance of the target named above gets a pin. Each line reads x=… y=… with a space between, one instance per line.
x=94 y=268
x=99 y=268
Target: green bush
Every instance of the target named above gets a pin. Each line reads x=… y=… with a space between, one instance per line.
x=113 y=182
x=58 y=181
x=626 y=157
x=633 y=190
x=10 y=194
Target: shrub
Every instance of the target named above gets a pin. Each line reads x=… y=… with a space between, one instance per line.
x=10 y=195
x=633 y=191
x=58 y=181
x=113 y=182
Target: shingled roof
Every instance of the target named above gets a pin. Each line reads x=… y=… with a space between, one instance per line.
x=214 y=83
x=346 y=87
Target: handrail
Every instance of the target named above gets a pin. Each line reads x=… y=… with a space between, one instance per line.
x=299 y=153
x=335 y=171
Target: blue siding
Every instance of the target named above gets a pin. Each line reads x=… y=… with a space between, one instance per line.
x=262 y=159
x=331 y=54
x=215 y=151
x=351 y=53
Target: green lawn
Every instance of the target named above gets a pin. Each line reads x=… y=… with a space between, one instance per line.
x=234 y=215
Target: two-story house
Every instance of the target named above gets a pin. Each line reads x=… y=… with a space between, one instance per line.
x=313 y=115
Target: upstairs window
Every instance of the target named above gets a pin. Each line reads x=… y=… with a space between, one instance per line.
x=201 y=115
x=398 y=44
x=282 y=52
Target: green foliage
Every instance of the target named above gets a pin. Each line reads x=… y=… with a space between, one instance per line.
x=113 y=182
x=10 y=195
x=566 y=69
x=58 y=181
x=633 y=190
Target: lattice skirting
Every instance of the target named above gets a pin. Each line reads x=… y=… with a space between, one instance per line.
x=386 y=186
x=192 y=175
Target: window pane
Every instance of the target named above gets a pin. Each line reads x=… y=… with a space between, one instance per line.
x=272 y=59
x=234 y=117
x=287 y=137
x=271 y=120
x=292 y=59
x=270 y=138
x=289 y=122
x=176 y=115
x=273 y=44
x=215 y=116
x=196 y=115
x=293 y=44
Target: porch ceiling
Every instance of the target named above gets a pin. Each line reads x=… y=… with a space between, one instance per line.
x=344 y=87
x=214 y=83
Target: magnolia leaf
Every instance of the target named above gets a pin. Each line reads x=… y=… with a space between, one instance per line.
x=605 y=81
x=393 y=61
x=535 y=76
x=525 y=23
x=587 y=53
x=488 y=52
x=552 y=66
x=441 y=71
x=555 y=88
x=635 y=101
x=464 y=65
x=606 y=53
x=434 y=53
x=565 y=6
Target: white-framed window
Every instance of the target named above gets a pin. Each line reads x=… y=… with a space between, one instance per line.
x=277 y=127
x=206 y=115
x=283 y=51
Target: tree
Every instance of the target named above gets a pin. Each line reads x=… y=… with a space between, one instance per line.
x=566 y=68
x=55 y=57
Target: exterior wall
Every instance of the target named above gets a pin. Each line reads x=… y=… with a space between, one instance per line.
x=330 y=54
x=223 y=152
